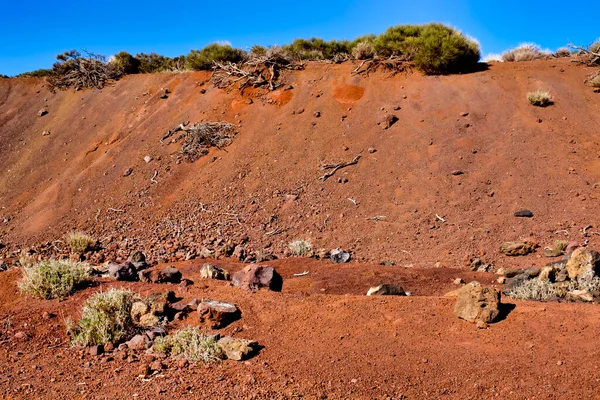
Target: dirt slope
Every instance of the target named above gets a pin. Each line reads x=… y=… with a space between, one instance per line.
x=323 y=338
x=543 y=159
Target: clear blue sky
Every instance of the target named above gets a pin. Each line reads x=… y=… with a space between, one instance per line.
x=32 y=32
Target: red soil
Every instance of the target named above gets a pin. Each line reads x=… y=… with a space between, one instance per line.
x=334 y=342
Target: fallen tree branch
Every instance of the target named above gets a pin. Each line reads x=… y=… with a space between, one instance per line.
x=335 y=167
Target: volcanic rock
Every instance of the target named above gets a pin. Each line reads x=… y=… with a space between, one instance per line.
x=476 y=303
x=255 y=277
x=217 y=314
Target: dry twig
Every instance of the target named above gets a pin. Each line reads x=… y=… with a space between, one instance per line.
x=335 y=167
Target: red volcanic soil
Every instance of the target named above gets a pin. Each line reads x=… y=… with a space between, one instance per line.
x=322 y=337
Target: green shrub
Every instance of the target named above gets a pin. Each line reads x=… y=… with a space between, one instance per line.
x=444 y=50
x=317 y=49
x=125 y=63
x=191 y=344
x=201 y=60
x=153 y=63
x=38 y=73
x=52 y=279
x=80 y=242
x=539 y=98
x=258 y=51
x=401 y=40
x=106 y=318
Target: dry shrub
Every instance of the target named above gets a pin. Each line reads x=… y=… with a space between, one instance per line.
x=52 y=279
x=199 y=138
x=525 y=52
x=190 y=344
x=80 y=242
x=106 y=318
x=300 y=248
x=539 y=98
x=562 y=52
x=536 y=289
x=594 y=80
x=363 y=50
x=73 y=70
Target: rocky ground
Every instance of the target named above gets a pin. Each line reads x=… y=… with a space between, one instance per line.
x=459 y=179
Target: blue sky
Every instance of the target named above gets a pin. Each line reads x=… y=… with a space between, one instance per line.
x=32 y=32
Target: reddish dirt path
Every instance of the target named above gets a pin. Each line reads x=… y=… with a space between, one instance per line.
x=319 y=346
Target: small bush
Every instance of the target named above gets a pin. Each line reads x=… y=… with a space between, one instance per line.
x=80 y=242
x=595 y=81
x=191 y=344
x=39 y=73
x=300 y=248
x=525 y=52
x=125 y=63
x=562 y=52
x=363 y=50
x=595 y=47
x=539 y=98
x=52 y=279
x=445 y=50
x=258 y=51
x=316 y=49
x=200 y=60
x=106 y=318
x=535 y=289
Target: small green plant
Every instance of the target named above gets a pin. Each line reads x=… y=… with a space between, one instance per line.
x=80 y=242
x=300 y=248
x=125 y=63
x=191 y=344
x=38 y=73
x=539 y=98
x=52 y=279
x=200 y=60
x=106 y=318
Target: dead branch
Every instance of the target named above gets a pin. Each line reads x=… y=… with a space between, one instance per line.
x=335 y=167
x=199 y=138
x=593 y=57
x=377 y=218
x=394 y=64
x=79 y=72
x=170 y=132
x=252 y=72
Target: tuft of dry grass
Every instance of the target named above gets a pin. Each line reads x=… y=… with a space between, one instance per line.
x=539 y=98
x=52 y=279
x=80 y=242
x=106 y=318
x=363 y=50
x=525 y=52
x=535 y=289
x=595 y=81
x=301 y=248
x=191 y=344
